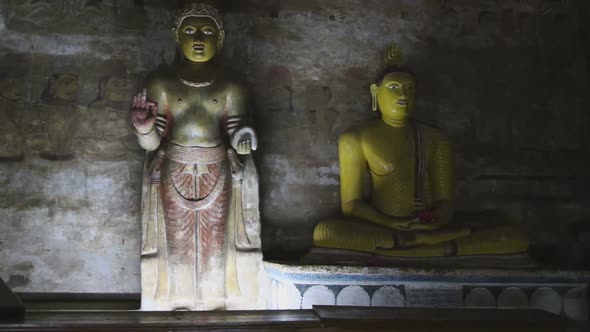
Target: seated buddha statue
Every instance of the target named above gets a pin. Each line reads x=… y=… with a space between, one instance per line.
x=410 y=210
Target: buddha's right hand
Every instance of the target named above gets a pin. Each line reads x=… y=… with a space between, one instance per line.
x=412 y=225
x=143 y=113
x=403 y=225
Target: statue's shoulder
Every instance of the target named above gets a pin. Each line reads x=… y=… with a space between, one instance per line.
x=360 y=131
x=368 y=128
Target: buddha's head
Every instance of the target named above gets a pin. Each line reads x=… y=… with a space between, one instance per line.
x=62 y=87
x=113 y=89
x=199 y=32
x=11 y=87
x=393 y=95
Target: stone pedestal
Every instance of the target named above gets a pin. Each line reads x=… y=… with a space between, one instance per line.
x=302 y=286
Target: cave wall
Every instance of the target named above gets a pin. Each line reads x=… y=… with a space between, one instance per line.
x=508 y=81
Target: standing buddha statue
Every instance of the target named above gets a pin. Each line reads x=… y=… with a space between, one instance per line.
x=193 y=116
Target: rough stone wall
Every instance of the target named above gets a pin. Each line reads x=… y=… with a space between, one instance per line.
x=508 y=80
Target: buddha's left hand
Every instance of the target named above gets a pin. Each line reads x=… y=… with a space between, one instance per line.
x=243 y=147
x=244 y=140
x=413 y=225
x=423 y=227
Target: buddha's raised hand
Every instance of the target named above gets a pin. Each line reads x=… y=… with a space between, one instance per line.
x=143 y=113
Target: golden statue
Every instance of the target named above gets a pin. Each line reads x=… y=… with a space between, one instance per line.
x=195 y=219
x=410 y=213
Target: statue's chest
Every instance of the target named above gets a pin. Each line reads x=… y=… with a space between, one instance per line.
x=201 y=102
x=388 y=155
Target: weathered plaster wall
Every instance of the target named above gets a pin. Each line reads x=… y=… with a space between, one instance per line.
x=508 y=80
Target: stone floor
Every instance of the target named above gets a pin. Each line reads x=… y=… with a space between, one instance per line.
x=317 y=319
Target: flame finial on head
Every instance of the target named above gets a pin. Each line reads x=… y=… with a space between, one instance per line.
x=393 y=55
x=199 y=10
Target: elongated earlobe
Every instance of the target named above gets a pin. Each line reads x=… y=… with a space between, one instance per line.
x=220 y=39
x=374 y=103
x=374 y=97
x=175 y=34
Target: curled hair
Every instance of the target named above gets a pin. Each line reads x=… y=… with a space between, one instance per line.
x=199 y=9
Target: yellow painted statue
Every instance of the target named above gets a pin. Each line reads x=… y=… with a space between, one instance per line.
x=410 y=212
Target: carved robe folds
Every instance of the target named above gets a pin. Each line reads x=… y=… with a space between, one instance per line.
x=212 y=261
